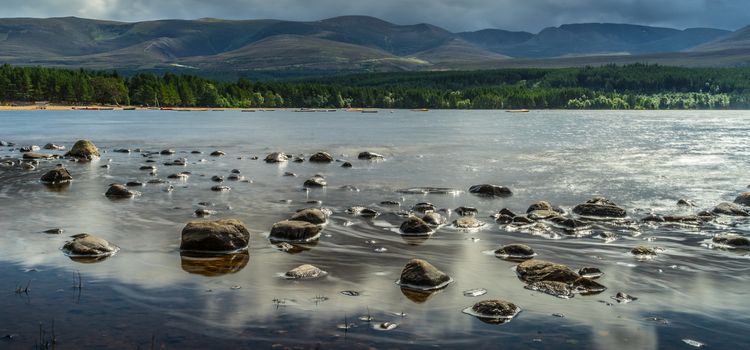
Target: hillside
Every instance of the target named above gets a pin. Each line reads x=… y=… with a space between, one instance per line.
x=350 y=43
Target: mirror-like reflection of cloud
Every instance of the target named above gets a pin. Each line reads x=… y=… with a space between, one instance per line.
x=234 y=297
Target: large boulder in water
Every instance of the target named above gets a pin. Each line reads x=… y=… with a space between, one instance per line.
x=276 y=157
x=539 y=270
x=321 y=157
x=599 y=207
x=415 y=226
x=294 y=231
x=85 y=244
x=743 y=199
x=488 y=190
x=215 y=236
x=312 y=215
x=421 y=275
x=83 y=150
x=57 y=176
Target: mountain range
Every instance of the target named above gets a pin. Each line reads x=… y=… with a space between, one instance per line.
x=352 y=43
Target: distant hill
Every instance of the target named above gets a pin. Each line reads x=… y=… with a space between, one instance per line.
x=350 y=43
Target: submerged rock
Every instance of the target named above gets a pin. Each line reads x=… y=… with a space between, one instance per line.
x=57 y=176
x=599 y=207
x=314 y=216
x=215 y=236
x=623 y=298
x=732 y=240
x=730 y=209
x=515 y=251
x=370 y=156
x=421 y=275
x=363 y=211
x=306 y=271
x=559 y=289
x=321 y=157
x=539 y=270
x=119 y=191
x=643 y=251
x=294 y=231
x=85 y=244
x=83 y=150
x=276 y=157
x=415 y=226
x=220 y=188
x=488 y=190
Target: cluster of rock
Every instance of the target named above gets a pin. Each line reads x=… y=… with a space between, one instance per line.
x=555 y=279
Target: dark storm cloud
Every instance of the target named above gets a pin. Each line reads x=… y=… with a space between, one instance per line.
x=456 y=15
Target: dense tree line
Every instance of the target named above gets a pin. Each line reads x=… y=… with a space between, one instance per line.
x=610 y=87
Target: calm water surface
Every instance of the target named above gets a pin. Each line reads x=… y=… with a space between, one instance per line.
x=644 y=161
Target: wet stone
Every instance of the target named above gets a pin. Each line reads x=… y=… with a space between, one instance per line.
x=346 y=165
x=83 y=150
x=148 y=167
x=370 y=156
x=540 y=270
x=421 y=275
x=466 y=211
x=119 y=191
x=306 y=271
x=315 y=182
x=488 y=190
x=204 y=212
x=54 y=231
x=590 y=272
x=220 y=188
x=558 y=289
x=314 y=216
x=685 y=203
x=53 y=147
x=494 y=311
x=215 y=236
x=730 y=209
x=85 y=244
x=276 y=157
x=585 y=285
x=321 y=157
x=433 y=219
x=599 y=207
x=423 y=207
x=415 y=226
x=167 y=152
x=643 y=251
x=217 y=178
x=515 y=251
x=135 y=184
x=743 y=199
x=623 y=298
x=503 y=219
x=57 y=176
x=539 y=205
x=294 y=231
x=363 y=211
x=218 y=154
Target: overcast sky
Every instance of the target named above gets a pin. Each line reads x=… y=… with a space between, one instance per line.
x=455 y=15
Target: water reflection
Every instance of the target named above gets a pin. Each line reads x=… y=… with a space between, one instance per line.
x=562 y=157
x=213 y=265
